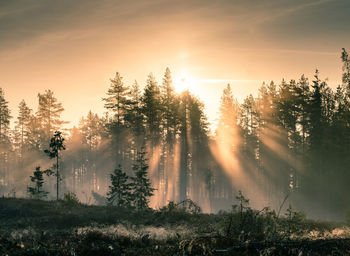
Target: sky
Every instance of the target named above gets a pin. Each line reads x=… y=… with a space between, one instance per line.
x=75 y=47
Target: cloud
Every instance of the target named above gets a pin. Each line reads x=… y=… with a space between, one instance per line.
x=226 y=20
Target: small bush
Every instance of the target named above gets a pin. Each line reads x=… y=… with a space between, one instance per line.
x=187 y=206
x=71 y=199
x=294 y=223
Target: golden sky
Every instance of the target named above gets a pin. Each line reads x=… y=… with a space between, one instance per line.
x=74 y=47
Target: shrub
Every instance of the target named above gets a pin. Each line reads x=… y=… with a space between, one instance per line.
x=187 y=206
x=71 y=199
x=293 y=223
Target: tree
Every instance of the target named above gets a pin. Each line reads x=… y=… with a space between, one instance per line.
x=48 y=115
x=5 y=142
x=91 y=130
x=317 y=124
x=36 y=192
x=249 y=121
x=346 y=69
x=117 y=97
x=227 y=130
x=116 y=104
x=134 y=118
x=5 y=116
x=169 y=102
x=22 y=128
x=141 y=184
x=169 y=123
x=56 y=146
x=194 y=150
x=119 y=193
x=151 y=109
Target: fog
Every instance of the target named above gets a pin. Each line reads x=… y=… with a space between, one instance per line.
x=289 y=145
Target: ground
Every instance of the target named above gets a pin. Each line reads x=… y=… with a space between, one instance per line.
x=34 y=227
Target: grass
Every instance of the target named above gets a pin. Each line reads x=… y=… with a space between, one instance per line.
x=34 y=227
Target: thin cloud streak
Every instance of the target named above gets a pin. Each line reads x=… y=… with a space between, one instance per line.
x=291 y=10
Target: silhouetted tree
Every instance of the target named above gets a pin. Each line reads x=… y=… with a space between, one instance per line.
x=119 y=193
x=140 y=184
x=115 y=103
x=5 y=143
x=56 y=146
x=117 y=97
x=22 y=130
x=36 y=192
x=169 y=124
x=134 y=120
x=151 y=109
x=5 y=117
x=48 y=115
x=346 y=69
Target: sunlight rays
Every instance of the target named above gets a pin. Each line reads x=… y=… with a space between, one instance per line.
x=184 y=81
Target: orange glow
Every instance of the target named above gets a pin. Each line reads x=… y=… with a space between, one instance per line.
x=183 y=82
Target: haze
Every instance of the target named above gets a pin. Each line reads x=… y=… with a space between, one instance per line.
x=75 y=47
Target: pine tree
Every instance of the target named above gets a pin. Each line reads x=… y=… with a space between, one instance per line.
x=249 y=123
x=302 y=98
x=184 y=146
x=91 y=130
x=116 y=103
x=119 y=193
x=346 y=70
x=169 y=103
x=169 y=124
x=48 y=115
x=5 y=142
x=199 y=152
x=117 y=97
x=5 y=116
x=56 y=146
x=35 y=139
x=227 y=130
x=141 y=185
x=193 y=145
x=22 y=128
x=36 y=192
x=317 y=124
x=134 y=117
x=151 y=109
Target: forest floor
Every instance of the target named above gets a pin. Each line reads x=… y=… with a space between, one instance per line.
x=34 y=227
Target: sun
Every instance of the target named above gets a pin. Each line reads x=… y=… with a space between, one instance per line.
x=184 y=82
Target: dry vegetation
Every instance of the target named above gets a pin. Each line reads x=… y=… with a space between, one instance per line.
x=34 y=227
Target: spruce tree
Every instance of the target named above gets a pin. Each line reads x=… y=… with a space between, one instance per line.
x=141 y=185
x=119 y=193
x=36 y=191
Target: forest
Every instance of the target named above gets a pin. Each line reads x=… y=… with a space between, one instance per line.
x=289 y=145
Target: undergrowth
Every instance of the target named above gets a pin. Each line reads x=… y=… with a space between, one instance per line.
x=67 y=227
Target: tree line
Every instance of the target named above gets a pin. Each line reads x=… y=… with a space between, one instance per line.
x=291 y=140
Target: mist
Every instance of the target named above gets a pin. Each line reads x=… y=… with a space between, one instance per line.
x=289 y=145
